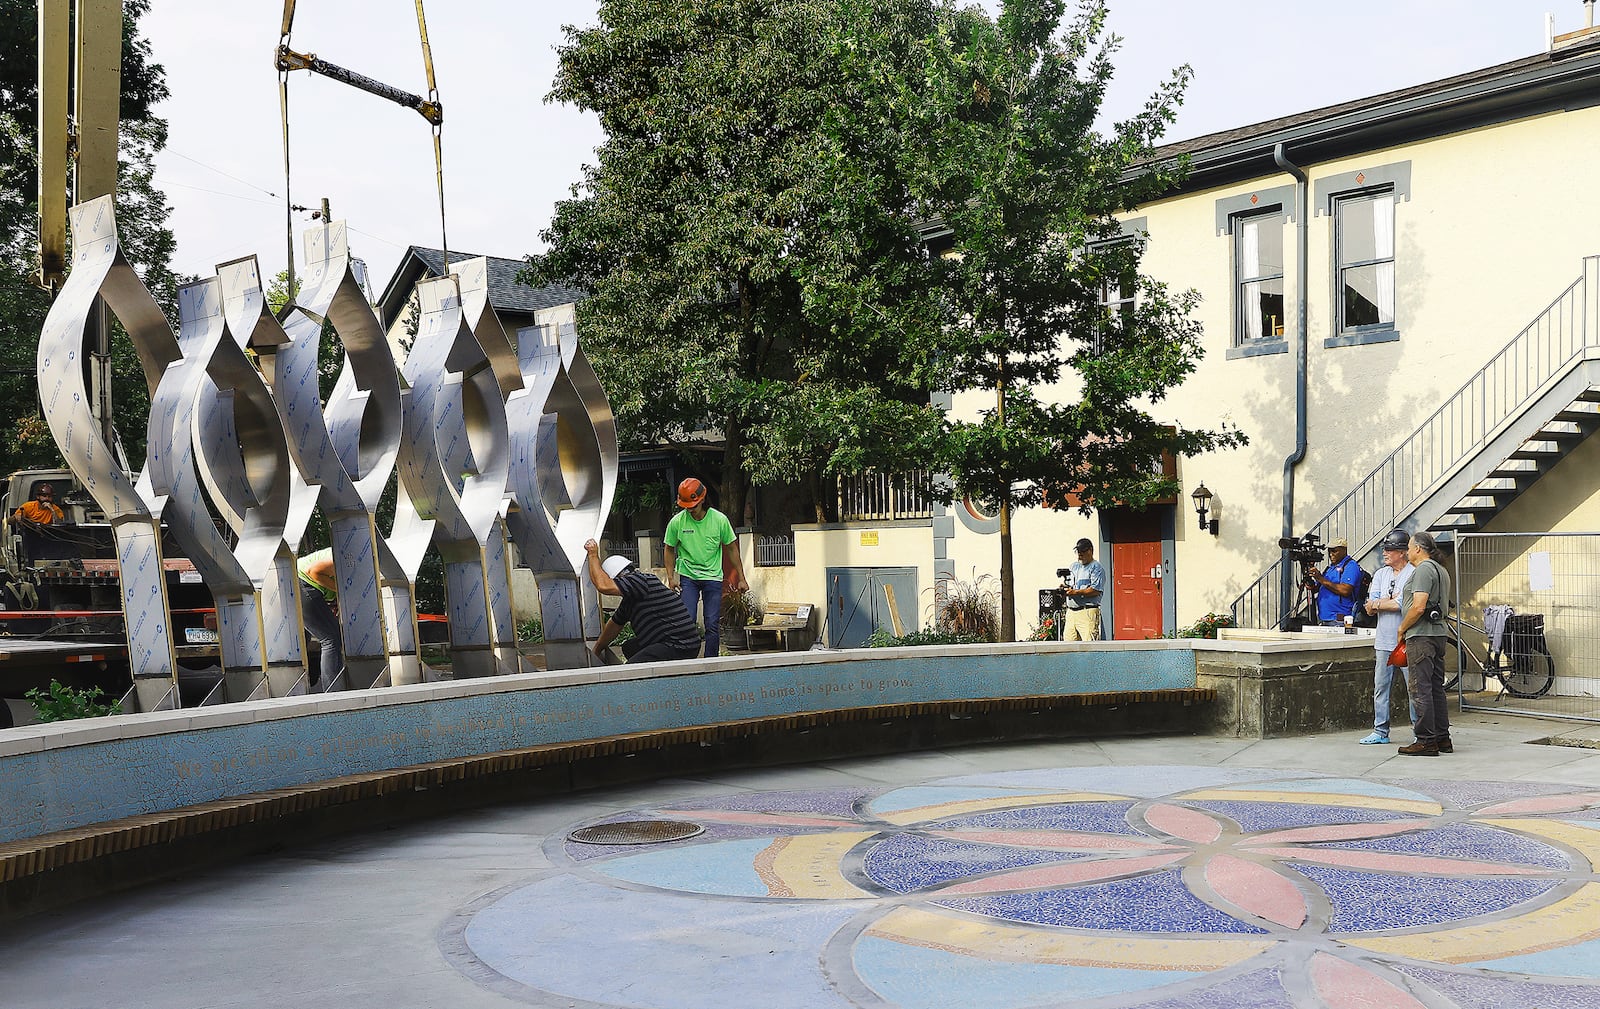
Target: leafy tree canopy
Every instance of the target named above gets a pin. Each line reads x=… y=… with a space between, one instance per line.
x=746 y=233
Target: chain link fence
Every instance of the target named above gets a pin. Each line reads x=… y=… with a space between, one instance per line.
x=1549 y=660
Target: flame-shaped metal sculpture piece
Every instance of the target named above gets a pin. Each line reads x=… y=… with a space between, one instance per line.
x=563 y=475
x=99 y=270
x=453 y=463
x=347 y=452
x=171 y=483
x=501 y=355
x=244 y=461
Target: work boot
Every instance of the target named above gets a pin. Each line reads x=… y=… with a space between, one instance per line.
x=1420 y=749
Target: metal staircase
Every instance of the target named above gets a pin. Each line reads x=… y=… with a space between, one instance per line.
x=1511 y=422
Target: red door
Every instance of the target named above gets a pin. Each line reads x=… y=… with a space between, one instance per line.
x=1136 y=576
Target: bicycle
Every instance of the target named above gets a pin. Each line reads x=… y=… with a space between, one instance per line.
x=1522 y=665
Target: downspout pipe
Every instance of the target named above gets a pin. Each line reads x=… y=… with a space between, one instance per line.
x=1302 y=200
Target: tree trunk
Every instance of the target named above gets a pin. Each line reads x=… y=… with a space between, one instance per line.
x=818 y=506
x=1008 y=592
x=734 y=485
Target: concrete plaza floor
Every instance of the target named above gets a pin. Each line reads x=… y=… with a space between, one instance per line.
x=1151 y=852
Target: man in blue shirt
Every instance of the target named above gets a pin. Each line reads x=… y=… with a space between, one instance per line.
x=1086 y=581
x=1336 y=585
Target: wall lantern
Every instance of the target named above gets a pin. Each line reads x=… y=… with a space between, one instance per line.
x=1202 y=505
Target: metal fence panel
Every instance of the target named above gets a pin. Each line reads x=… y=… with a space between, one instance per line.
x=1553 y=575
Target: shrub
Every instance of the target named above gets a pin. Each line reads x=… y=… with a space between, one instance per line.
x=1206 y=626
x=971 y=610
x=881 y=638
x=740 y=609
x=531 y=631
x=63 y=703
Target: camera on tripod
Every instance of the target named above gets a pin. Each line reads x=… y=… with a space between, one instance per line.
x=1307 y=550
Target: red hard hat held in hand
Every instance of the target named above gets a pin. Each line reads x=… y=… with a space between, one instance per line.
x=690 y=493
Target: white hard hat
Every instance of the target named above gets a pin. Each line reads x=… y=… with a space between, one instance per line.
x=615 y=565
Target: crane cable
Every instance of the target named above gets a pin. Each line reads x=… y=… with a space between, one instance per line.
x=430 y=108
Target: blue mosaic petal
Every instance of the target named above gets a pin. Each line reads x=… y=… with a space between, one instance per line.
x=1259 y=816
x=1090 y=817
x=725 y=867
x=1467 y=794
x=1462 y=840
x=1157 y=902
x=1260 y=990
x=901 y=799
x=906 y=862
x=914 y=977
x=1369 y=901
x=1476 y=991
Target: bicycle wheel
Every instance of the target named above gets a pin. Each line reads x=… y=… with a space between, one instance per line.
x=1530 y=674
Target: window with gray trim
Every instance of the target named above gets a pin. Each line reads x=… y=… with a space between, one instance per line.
x=1258 y=276
x=1118 y=289
x=1364 y=260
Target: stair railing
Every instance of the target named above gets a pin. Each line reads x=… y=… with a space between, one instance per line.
x=1495 y=395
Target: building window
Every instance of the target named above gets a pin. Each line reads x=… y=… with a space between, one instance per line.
x=1118 y=290
x=1258 y=277
x=1364 y=247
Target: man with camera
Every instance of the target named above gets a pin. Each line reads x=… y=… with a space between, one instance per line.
x=1336 y=585
x=1084 y=582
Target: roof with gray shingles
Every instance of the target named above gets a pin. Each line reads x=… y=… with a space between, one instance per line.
x=506 y=292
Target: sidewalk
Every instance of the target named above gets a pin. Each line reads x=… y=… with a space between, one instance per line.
x=1163 y=872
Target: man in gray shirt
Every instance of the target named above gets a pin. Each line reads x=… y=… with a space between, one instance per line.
x=1384 y=601
x=1423 y=629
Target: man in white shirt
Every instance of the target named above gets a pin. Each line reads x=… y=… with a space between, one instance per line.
x=1384 y=601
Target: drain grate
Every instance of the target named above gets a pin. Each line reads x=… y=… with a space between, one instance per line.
x=636 y=832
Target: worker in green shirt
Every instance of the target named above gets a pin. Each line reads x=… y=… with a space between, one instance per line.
x=319 y=598
x=700 y=550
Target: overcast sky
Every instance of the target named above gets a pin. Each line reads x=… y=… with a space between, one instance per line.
x=508 y=156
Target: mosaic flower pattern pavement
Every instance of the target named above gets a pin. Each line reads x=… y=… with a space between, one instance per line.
x=1151 y=887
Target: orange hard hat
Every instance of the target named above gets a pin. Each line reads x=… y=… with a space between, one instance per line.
x=690 y=493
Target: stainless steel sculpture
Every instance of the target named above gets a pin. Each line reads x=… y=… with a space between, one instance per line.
x=99 y=270
x=563 y=474
x=244 y=461
x=488 y=438
x=172 y=485
x=453 y=463
x=501 y=354
x=347 y=453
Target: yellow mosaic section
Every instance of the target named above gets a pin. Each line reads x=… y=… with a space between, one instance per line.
x=808 y=866
x=992 y=941
x=1564 y=923
x=966 y=807
x=1421 y=806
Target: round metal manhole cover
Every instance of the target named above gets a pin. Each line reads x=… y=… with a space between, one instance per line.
x=636 y=832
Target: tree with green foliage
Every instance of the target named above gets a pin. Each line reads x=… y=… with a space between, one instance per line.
x=746 y=236
x=141 y=215
x=1027 y=187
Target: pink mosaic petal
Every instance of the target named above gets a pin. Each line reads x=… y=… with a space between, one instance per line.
x=1345 y=985
x=1398 y=862
x=1339 y=832
x=1257 y=890
x=759 y=819
x=1542 y=804
x=1064 y=874
x=1183 y=823
x=1062 y=839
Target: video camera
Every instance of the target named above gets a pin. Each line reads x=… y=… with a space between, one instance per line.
x=1307 y=550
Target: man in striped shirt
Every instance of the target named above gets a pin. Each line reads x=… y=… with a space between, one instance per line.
x=662 y=628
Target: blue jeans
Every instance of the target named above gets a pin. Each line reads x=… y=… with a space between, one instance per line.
x=707 y=594
x=1383 y=676
x=323 y=626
